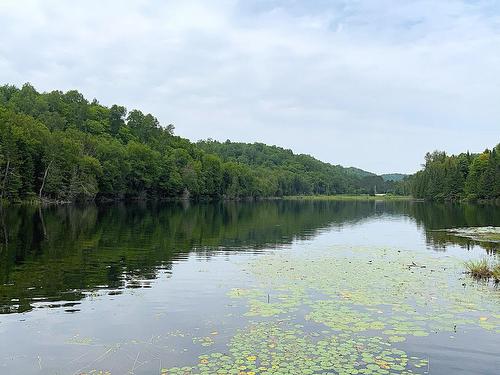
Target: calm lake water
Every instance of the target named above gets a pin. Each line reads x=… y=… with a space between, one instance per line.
x=274 y=287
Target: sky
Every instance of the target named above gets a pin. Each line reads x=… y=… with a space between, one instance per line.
x=373 y=84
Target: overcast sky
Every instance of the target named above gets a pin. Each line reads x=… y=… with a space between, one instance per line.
x=371 y=84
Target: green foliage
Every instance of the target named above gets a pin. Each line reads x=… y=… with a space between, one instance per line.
x=281 y=172
x=59 y=146
x=456 y=177
x=393 y=176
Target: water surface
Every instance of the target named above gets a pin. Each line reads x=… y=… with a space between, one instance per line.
x=264 y=287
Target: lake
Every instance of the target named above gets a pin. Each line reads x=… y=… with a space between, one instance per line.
x=271 y=287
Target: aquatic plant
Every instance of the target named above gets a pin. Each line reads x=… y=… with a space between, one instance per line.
x=479 y=269
x=481 y=234
x=363 y=303
x=495 y=273
x=282 y=347
x=342 y=311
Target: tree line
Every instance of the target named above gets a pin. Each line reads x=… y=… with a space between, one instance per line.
x=59 y=146
x=458 y=177
x=292 y=174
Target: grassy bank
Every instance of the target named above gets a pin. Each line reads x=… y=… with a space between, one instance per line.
x=342 y=197
x=349 y=197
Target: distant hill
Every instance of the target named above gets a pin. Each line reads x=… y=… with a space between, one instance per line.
x=297 y=173
x=393 y=176
x=359 y=172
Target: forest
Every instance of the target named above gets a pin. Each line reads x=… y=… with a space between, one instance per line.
x=458 y=177
x=60 y=147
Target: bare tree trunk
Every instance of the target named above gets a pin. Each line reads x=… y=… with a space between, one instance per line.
x=43 y=181
x=5 y=179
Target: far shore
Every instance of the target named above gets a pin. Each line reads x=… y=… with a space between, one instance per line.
x=351 y=197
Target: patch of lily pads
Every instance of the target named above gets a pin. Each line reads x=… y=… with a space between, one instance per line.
x=278 y=347
x=481 y=234
x=400 y=293
x=362 y=302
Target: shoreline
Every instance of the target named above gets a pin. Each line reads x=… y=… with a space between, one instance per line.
x=353 y=197
x=338 y=197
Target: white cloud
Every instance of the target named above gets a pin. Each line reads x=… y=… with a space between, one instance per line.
x=370 y=84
